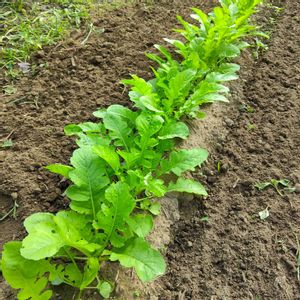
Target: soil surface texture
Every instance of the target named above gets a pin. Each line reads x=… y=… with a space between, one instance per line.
x=233 y=254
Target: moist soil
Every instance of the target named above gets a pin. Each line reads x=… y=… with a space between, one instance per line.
x=233 y=255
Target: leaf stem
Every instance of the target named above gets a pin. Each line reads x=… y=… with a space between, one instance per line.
x=72 y=259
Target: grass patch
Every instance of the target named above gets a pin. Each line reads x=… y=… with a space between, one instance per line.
x=26 y=26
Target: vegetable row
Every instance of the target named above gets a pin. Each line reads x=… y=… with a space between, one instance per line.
x=128 y=159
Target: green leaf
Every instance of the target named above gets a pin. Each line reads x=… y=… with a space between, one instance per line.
x=43 y=240
x=119 y=129
x=262 y=185
x=148 y=124
x=220 y=77
x=7 y=143
x=130 y=157
x=228 y=68
x=137 y=253
x=183 y=160
x=91 y=270
x=174 y=129
x=123 y=112
x=105 y=289
x=284 y=182
x=90 y=127
x=60 y=169
x=140 y=224
x=187 y=186
x=115 y=212
x=109 y=155
x=72 y=129
x=229 y=51
x=154 y=186
x=180 y=83
x=24 y=274
x=142 y=94
x=48 y=233
x=155 y=208
x=89 y=177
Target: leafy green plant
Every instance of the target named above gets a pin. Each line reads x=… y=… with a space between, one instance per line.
x=126 y=160
x=6 y=144
x=275 y=184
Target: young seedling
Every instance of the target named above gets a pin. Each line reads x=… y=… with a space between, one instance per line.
x=7 y=144
x=250 y=126
x=247 y=108
x=204 y=219
x=274 y=183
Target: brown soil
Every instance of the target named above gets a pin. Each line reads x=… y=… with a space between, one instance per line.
x=234 y=255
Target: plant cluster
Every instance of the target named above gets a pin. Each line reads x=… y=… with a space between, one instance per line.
x=121 y=163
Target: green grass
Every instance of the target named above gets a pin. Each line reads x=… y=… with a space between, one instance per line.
x=26 y=26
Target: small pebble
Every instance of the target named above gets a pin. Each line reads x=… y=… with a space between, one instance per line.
x=297 y=188
x=229 y=122
x=190 y=244
x=14 y=195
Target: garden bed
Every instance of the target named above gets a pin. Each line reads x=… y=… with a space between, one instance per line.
x=231 y=253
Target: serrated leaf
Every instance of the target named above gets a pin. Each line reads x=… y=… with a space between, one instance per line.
x=114 y=212
x=42 y=240
x=187 y=186
x=137 y=253
x=24 y=274
x=109 y=155
x=148 y=124
x=48 y=233
x=118 y=128
x=89 y=177
x=174 y=129
x=60 y=169
x=183 y=160
x=140 y=224
x=154 y=186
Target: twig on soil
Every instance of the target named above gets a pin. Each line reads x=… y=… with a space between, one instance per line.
x=181 y=295
x=235 y=183
x=88 y=35
x=12 y=211
x=9 y=135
